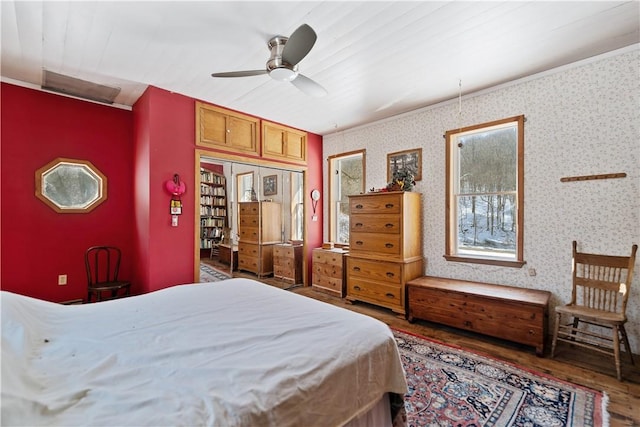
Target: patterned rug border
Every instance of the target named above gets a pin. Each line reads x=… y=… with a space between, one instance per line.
x=210 y=270
x=602 y=398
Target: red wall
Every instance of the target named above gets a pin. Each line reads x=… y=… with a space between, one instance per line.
x=314 y=180
x=138 y=151
x=164 y=146
x=38 y=244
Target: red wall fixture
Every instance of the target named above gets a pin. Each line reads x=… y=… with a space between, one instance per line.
x=37 y=243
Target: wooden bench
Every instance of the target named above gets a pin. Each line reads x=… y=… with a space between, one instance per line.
x=511 y=313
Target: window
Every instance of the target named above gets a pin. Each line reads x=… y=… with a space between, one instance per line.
x=297 y=206
x=346 y=177
x=485 y=180
x=246 y=192
x=70 y=185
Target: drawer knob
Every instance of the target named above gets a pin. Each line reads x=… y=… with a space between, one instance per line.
x=388 y=245
x=356 y=268
x=388 y=205
x=357 y=288
x=390 y=274
x=358 y=206
x=359 y=243
x=390 y=295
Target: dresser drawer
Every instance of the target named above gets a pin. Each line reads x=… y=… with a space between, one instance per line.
x=282 y=251
x=328 y=257
x=387 y=272
x=283 y=261
x=379 y=204
x=375 y=224
x=377 y=293
x=249 y=263
x=388 y=244
x=248 y=249
x=329 y=270
x=250 y=234
x=249 y=221
x=331 y=283
x=249 y=209
x=282 y=270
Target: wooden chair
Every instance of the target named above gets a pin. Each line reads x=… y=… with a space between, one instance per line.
x=103 y=264
x=601 y=286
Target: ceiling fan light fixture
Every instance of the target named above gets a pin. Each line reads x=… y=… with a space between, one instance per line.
x=282 y=65
x=283 y=74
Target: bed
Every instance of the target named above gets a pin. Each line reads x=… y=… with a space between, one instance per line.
x=229 y=353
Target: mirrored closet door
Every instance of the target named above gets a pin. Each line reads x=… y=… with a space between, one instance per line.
x=251 y=220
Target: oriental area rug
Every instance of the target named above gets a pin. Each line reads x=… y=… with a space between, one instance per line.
x=449 y=386
x=210 y=274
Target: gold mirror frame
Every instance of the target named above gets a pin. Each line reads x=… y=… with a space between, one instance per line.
x=71 y=185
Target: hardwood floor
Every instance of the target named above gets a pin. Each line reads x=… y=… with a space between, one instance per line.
x=570 y=364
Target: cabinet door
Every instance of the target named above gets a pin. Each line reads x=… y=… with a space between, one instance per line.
x=220 y=128
x=273 y=141
x=296 y=145
x=241 y=134
x=283 y=143
x=213 y=127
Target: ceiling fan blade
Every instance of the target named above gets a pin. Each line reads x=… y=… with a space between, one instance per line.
x=299 y=44
x=308 y=86
x=240 y=73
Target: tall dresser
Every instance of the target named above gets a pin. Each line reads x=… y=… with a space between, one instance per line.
x=260 y=229
x=385 y=247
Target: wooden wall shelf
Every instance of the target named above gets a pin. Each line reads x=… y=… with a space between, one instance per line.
x=590 y=177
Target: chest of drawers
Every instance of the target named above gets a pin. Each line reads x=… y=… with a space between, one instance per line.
x=259 y=229
x=328 y=271
x=287 y=262
x=385 y=239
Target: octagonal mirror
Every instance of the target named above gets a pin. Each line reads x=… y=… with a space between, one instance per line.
x=71 y=186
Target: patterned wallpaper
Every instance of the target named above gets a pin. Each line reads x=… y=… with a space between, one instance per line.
x=581 y=119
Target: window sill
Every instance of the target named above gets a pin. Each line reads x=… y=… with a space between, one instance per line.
x=487 y=261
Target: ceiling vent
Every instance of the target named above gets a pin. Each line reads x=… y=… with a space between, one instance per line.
x=79 y=88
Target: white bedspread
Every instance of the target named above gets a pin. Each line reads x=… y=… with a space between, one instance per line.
x=232 y=353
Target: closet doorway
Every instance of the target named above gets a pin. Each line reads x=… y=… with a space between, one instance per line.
x=262 y=231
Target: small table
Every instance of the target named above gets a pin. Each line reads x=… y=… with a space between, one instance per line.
x=225 y=255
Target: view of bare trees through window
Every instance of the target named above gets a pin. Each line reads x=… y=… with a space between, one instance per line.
x=347 y=179
x=486 y=199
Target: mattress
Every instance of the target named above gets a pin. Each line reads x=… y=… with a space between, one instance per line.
x=230 y=353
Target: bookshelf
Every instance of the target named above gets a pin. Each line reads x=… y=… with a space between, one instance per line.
x=213 y=211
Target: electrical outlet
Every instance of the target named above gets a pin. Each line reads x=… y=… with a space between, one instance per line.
x=62 y=279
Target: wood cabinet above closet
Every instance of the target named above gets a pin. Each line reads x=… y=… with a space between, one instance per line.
x=283 y=143
x=220 y=128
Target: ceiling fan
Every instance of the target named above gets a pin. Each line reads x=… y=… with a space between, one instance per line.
x=286 y=53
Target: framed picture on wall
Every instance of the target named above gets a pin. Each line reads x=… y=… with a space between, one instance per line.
x=270 y=185
x=405 y=160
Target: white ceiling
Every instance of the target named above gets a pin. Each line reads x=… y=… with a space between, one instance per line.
x=376 y=58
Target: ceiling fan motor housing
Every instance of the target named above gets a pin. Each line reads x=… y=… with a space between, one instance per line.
x=277 y=68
